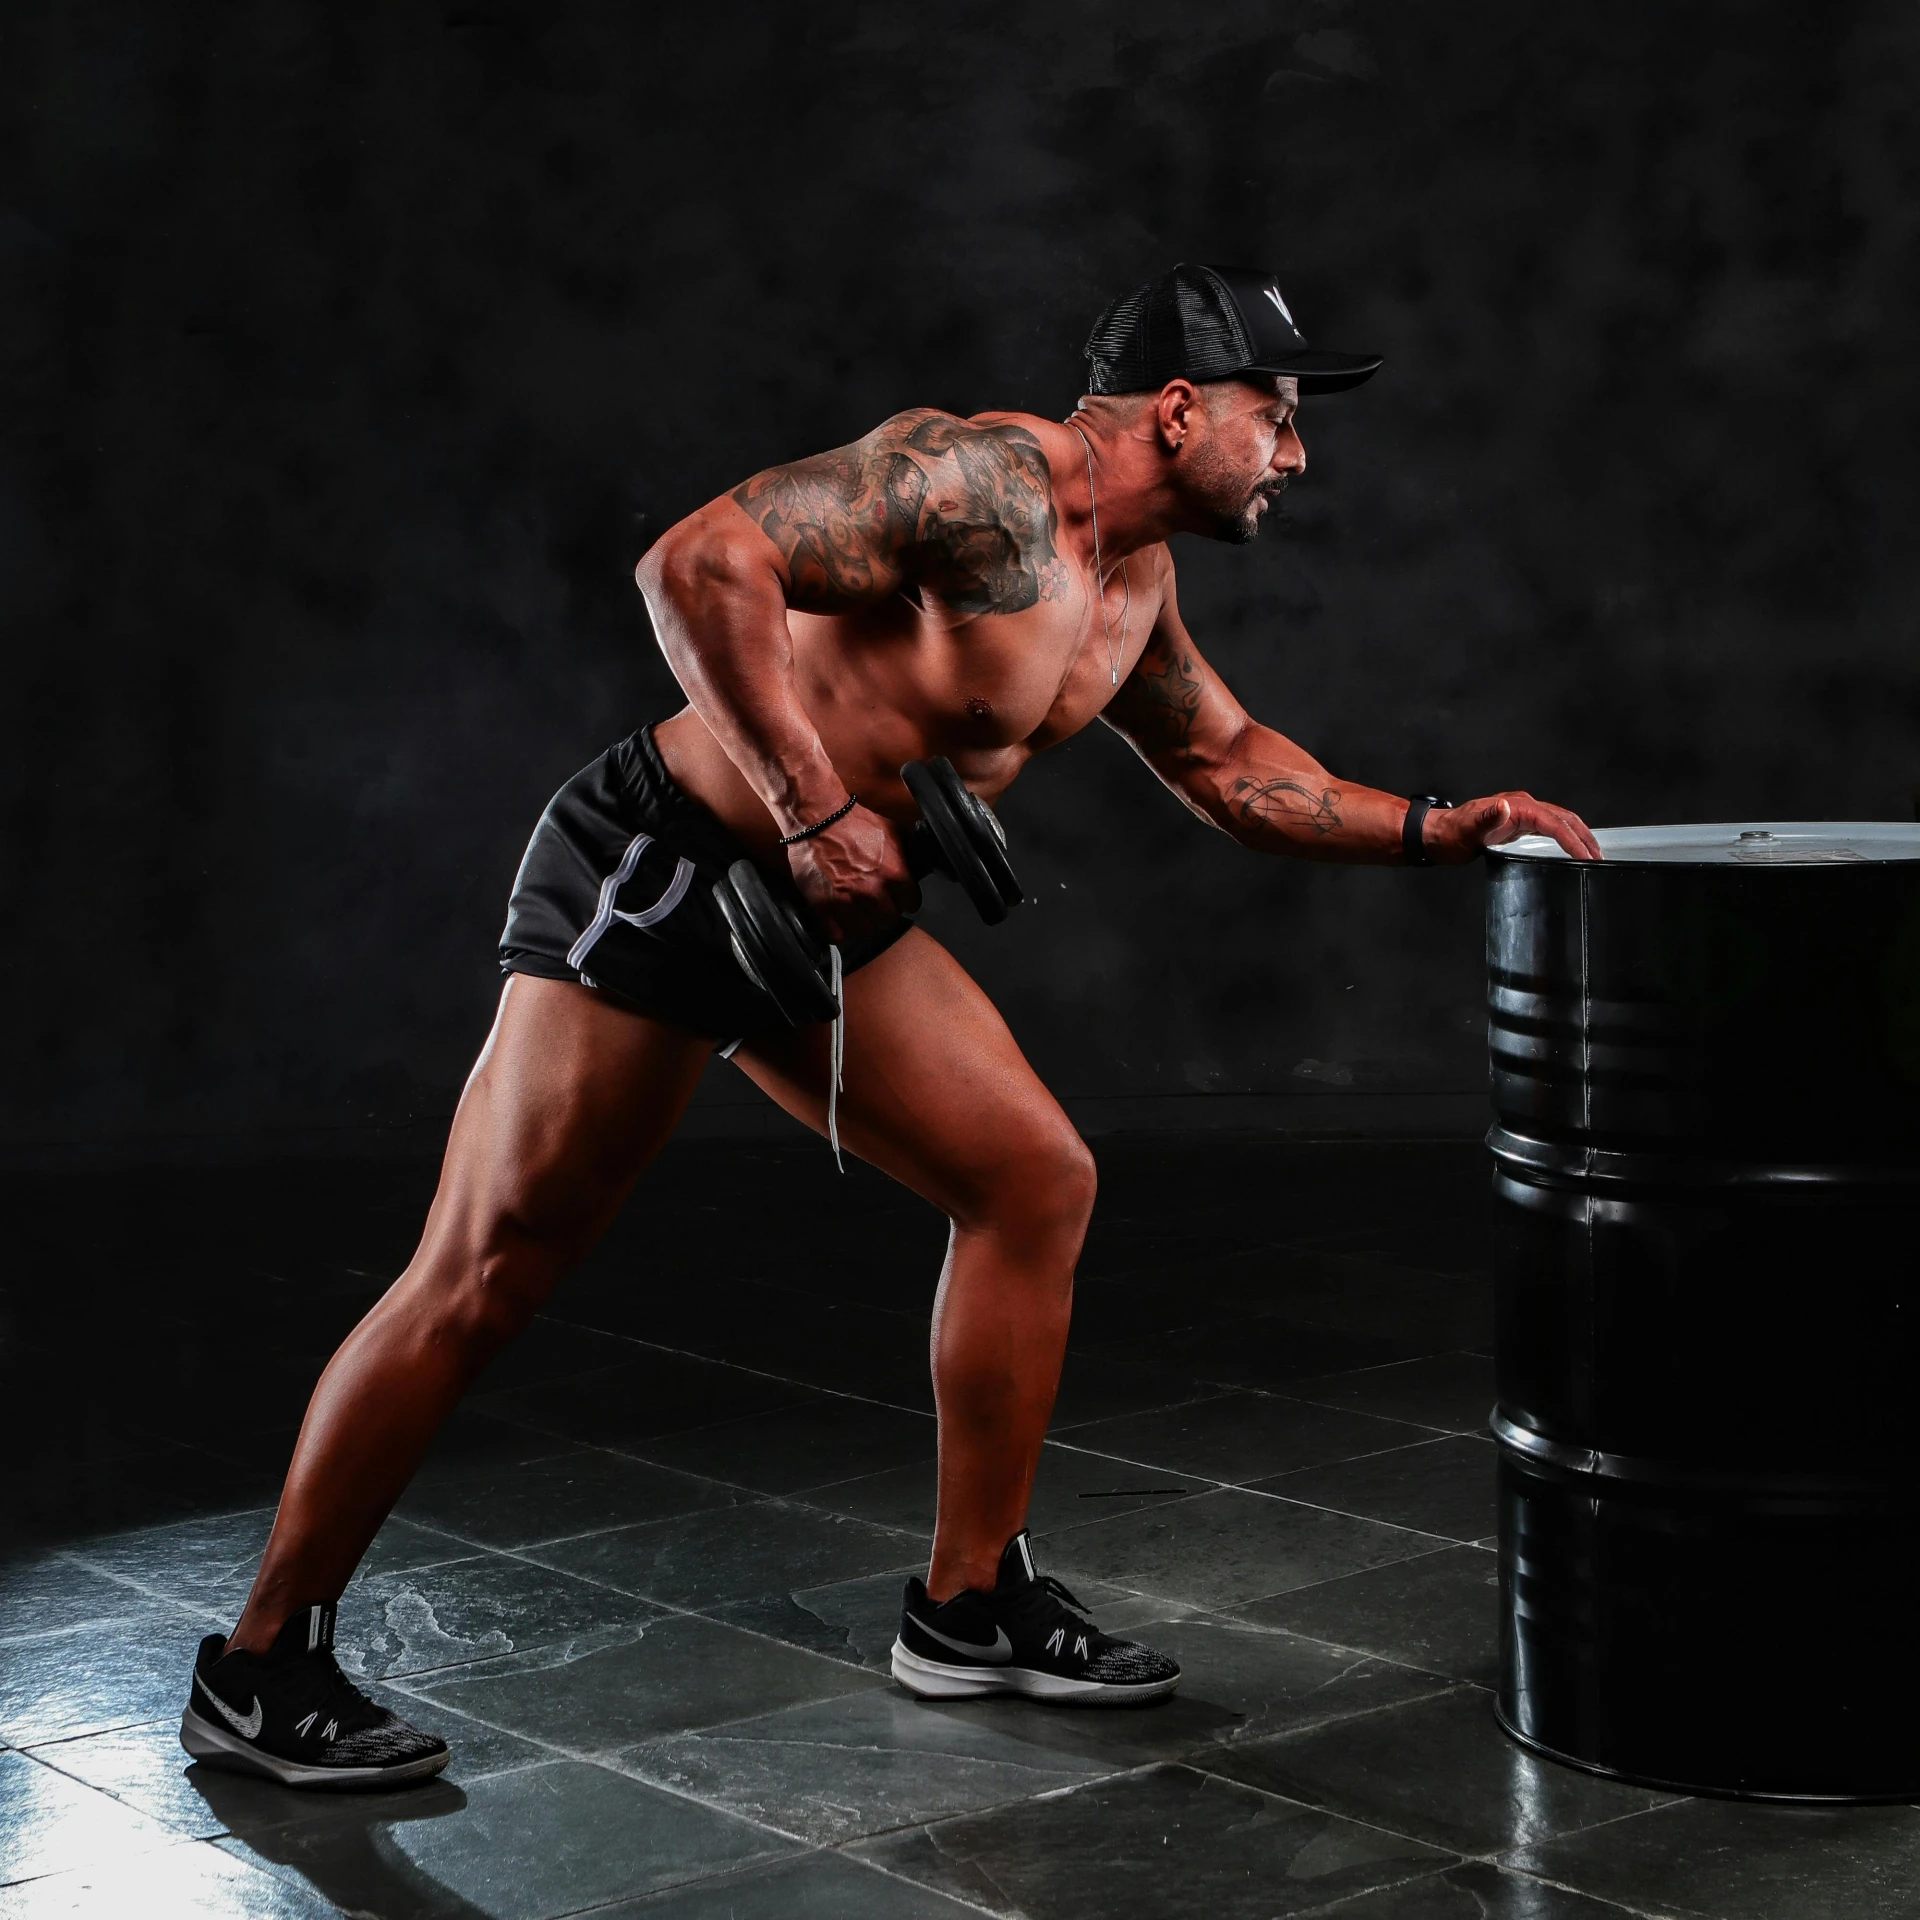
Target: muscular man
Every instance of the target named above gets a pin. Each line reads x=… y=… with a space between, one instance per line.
x=978 y=588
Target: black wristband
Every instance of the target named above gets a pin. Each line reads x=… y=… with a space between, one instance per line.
x=840 y=812
x=1411 y=844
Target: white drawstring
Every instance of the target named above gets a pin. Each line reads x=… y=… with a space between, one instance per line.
x=836 y=1060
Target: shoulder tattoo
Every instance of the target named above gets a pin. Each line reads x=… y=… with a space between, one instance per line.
x=926 y=499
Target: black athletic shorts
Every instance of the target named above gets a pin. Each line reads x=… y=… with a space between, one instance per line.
x=616 y=891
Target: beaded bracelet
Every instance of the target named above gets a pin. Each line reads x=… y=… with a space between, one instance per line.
x=820 y=826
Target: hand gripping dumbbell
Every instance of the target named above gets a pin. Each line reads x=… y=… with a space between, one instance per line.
x=781 y=951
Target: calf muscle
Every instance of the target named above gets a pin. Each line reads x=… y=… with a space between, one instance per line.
x=939 y=1095
x=569 y=1100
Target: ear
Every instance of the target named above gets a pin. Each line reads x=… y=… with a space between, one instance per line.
x=1173 y=413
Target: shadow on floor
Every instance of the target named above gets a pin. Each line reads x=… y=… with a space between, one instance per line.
x=648 y=1580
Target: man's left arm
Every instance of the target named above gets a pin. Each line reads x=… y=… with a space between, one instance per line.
x=1272 y=795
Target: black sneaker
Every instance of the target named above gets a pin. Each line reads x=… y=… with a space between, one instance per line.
x=1029 y=1636
x=291 y=1714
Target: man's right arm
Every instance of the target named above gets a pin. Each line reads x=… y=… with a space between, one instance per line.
x=718 y=586
x=966 y=510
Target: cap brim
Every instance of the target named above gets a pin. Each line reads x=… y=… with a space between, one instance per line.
x=1322 y=372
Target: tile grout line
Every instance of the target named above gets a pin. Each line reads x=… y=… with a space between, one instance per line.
x=1495 y=1859
x=1431 y=1437
x=759 y=1373
x=812 y=1850
x=1345 y=1513
x=1331 y=1910
x=1148 y=1766
x=900 y=1879
x=532 y=1425
x=80 y=1559
x=1449 y=1683
x=1215 y=1390
x=671 y=1610
x=546 y=1752
x=524 y=1554
x=1614 y=1819
x=1604 y=1900
x=711 y=1616
x=600 y=1758
x=174 y=1836
x=1208 y=1391
x=797 y=1499
x=525 y=1549
x=1098 y=1779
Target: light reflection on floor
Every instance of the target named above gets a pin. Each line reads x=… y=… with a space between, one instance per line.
x=647 y=1584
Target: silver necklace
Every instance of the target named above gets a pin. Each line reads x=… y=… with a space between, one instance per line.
x=1099 y=574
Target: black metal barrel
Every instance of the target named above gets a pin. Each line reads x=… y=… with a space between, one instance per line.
x=1706 y=1085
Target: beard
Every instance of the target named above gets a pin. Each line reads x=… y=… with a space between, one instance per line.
x=1230 y=509
x=1243 y=528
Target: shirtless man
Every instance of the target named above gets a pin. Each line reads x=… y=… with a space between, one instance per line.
x=976 y=588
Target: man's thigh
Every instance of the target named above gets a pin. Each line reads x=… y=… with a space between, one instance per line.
x=570 y=1098
x=937 y=1092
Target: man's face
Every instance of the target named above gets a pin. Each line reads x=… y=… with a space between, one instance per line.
x=1242 y=449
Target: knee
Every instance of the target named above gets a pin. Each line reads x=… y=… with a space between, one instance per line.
x=1041 y=1193
x=495 y=1284
x=1070 y=1181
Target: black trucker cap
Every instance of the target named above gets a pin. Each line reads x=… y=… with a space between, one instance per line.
x=1208 y=323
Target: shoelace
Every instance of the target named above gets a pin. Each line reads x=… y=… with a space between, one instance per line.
x=837 y=1060
x=331 y=1692
x=1057 y=1590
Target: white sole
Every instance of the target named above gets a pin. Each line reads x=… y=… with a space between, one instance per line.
x=219 y=1748
x=937 y=1680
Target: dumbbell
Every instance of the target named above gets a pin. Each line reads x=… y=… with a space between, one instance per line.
x=781 y=951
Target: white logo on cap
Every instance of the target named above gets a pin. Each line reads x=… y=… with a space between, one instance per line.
x=1272 y=292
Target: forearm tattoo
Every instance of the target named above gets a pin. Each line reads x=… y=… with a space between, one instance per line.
x=1284 y=804
x=925 y=500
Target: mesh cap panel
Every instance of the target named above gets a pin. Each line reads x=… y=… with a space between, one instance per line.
x=1208 y=323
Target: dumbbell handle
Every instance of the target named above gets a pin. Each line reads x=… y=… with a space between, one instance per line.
x=774 y=939
x=922 y=851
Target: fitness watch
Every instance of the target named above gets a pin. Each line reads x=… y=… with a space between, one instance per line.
x=1411 y=844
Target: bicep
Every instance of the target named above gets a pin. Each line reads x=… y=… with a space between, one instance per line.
x=1173 y=709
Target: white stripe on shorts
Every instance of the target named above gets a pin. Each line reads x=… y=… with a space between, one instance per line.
x=675 y=893
x=606 y=913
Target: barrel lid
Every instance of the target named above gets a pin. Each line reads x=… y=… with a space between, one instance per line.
x=1744 y=843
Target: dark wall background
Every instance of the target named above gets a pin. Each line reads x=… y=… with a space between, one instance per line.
x=353 y=352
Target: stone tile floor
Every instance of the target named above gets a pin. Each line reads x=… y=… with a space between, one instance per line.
x=647 y=1582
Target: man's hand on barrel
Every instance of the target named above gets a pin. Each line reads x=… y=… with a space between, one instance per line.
x=1454 y=835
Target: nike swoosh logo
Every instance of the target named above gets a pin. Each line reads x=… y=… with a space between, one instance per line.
x=997 y=1655
x=246 y=1725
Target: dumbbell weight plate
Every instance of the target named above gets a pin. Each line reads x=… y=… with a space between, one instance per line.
x=971 y=845
x=775 y=947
